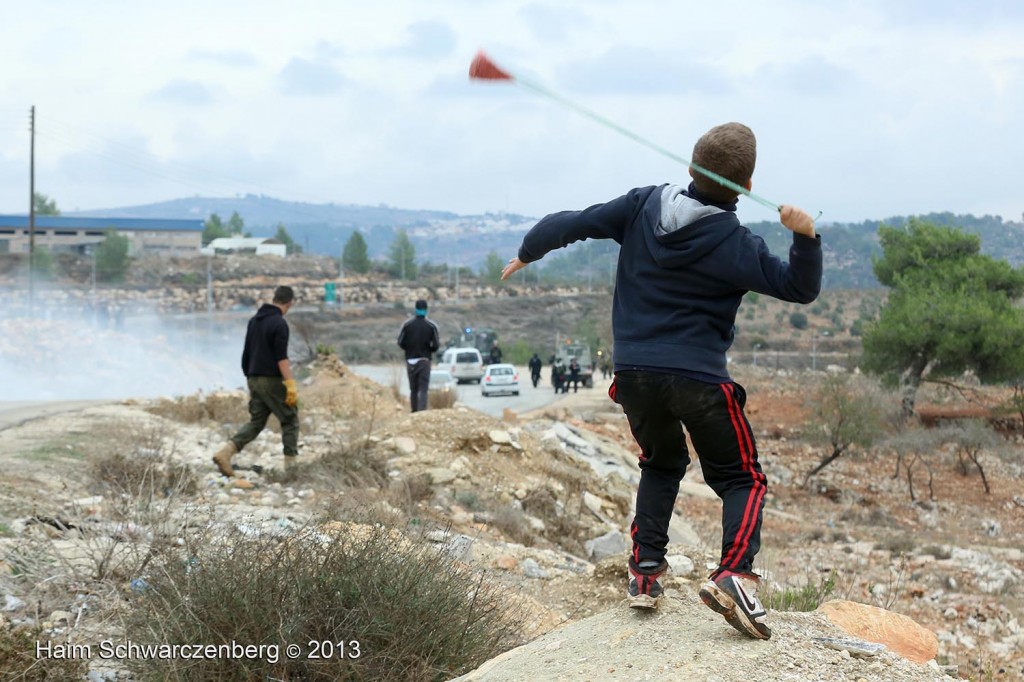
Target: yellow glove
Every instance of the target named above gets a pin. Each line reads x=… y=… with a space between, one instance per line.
x=292 y=398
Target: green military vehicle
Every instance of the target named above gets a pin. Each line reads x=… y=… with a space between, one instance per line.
x=565 y=352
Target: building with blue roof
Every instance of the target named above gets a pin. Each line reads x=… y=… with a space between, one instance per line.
x=72 y=234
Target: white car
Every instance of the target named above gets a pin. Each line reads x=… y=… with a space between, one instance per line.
x=500 y=378
x=465 y=364
x=441 y=381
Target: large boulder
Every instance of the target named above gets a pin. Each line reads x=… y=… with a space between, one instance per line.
x=897 y=632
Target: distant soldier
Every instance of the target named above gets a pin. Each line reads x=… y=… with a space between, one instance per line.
x=496 y=354
x=574 y=376
x=535 y=367
x=558 y=377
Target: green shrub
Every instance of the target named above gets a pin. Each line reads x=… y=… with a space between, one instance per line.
x=416 y=613
x=806 y=597
x=798 y=320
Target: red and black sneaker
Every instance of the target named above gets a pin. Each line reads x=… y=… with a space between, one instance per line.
x=726 y=593
x=644 y=589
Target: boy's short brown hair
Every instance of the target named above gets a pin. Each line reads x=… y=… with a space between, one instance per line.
x=729 y=150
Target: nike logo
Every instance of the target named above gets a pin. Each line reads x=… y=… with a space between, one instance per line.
x=750 y=604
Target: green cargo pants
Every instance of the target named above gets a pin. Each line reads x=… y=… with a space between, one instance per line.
x=266 y=397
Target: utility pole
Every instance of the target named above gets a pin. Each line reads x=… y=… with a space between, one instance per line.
x=814 y=351
x=341 y=280
x=590 y=269
x=32 y=211
x=209 y=286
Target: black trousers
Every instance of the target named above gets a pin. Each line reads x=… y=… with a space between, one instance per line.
x=658 y=406
x=419 y=383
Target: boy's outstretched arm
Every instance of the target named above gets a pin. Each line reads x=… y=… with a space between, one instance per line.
x=557 y=230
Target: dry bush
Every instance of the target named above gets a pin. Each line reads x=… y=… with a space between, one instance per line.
x=514 y=525
x=223 y=408
x=970 y=440
x=441 y=400
x=407 y=493
x=848 y=412
x=134 y=466
x=562 y=523
x=362 y=592
x=915 y=451
x=346 y=465
x=139 y=483
x=898 y=545
x=18 y=659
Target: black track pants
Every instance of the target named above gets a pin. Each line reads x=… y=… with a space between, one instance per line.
x=658 y=406
x=419 y=384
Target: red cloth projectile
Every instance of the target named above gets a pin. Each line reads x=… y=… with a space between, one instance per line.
x=483 y=68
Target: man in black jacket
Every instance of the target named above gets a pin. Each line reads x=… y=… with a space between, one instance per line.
x=535 y=366
x=268 y=373
x=419 y=339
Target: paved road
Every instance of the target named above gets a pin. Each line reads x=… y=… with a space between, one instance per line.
x=13 y=413
x=529 y=398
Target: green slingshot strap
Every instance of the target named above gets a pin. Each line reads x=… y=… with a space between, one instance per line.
x=645 y=142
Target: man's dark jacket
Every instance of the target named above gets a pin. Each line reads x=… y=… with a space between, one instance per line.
x=419 y=338
x=266 y=342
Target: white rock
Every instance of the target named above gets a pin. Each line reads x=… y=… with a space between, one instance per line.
x=592 y=502
x=681 y=564
x=440 y=475
x=531 y=569
x=12 y=603
x=405 y=445
x=499 y=437
x=612 y=543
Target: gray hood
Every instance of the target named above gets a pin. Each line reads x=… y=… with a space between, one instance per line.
x=681 y=229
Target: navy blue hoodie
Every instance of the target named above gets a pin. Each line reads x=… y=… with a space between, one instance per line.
x=684 y=266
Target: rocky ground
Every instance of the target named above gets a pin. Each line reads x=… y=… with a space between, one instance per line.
x=541 y=502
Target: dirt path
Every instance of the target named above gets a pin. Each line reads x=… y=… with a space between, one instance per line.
x=15 y=413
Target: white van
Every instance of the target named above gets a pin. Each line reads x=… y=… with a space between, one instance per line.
x=465 y=364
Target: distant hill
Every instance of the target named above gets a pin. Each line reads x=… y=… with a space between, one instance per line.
x=446 y=237
x=324 y=228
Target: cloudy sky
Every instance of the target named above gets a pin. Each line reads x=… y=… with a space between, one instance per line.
x=863 y=108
